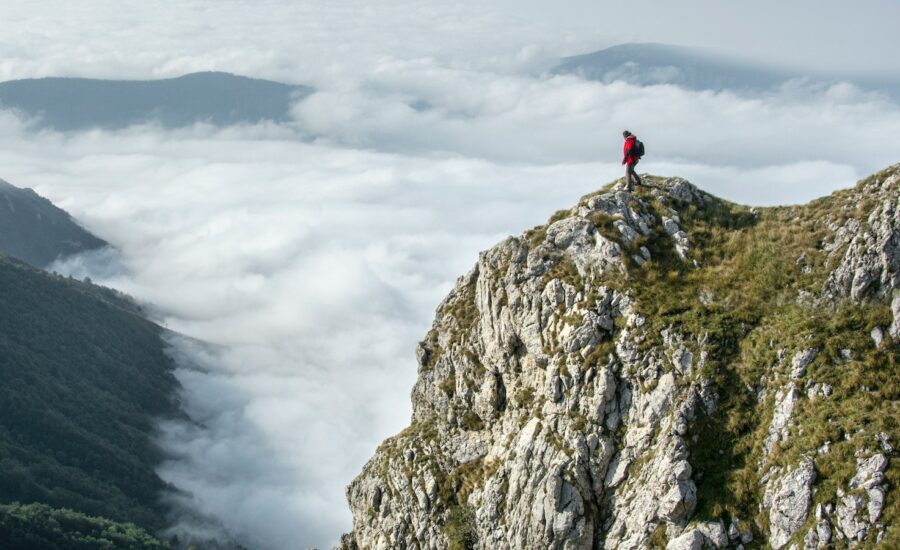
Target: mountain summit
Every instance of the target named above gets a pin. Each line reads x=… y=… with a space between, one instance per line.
x=658 y=369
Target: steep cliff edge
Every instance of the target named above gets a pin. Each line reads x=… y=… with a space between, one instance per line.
x=658 y=369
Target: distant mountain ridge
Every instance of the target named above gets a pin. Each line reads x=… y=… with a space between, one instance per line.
x=217 y=98
x=648 y=64
x=35 y=231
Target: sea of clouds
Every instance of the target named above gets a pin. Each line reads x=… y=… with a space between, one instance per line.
x=297 y=265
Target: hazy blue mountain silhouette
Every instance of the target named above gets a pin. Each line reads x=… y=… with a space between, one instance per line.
x=696 y=69
x=35 y=231
x=214 y=97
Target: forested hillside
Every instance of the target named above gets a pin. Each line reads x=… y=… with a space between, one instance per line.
x=84 y=375
x=34 y=230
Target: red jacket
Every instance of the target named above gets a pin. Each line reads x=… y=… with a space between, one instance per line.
x=629 y=145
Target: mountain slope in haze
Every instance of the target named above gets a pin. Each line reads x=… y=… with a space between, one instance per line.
x=35 y=231
x=84 y=378
x=213 y=97
x=697 y=69
x=649 y=64
x=658 y=369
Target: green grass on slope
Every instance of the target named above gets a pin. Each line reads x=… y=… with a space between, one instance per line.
x=753 y=294
x=40 y=527
x=746 y=300
x=751 y=302
x=83 y=375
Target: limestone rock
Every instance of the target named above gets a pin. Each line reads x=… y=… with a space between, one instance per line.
x=860 y=507
x=871 y=249
x=800 y=361
x=877 y=336
x=555 y=409
x=785 y=400
x=787 y=501
x=691 y=540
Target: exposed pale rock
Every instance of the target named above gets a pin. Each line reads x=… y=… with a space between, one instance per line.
x=871 y=260
x=810 y=540
x=861 y=505
x=851 y=525
x=823 y=533
x=869 y=472
x=629 y=234
x=738 y=532
x=787 y=501
x=785 y=399
x=714 y=531
x=670 y=226
x=683 y=191
x=819 y=536
x=548 y=414
x=709 y=534
x=876 y=503
x=691 y=540
x=877 y=336
x=734 y=531
x=800 y=361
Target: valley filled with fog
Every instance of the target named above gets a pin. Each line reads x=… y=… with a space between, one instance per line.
x=298 y=262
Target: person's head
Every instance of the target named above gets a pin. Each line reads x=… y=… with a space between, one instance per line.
x=626 y=134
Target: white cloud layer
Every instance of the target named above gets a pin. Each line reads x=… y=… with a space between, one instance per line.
x=312 y=270
x=309 y=258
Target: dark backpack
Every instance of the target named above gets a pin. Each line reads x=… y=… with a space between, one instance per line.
x=638 y=148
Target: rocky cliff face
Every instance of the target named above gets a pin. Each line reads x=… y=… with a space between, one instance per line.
x=658 y=369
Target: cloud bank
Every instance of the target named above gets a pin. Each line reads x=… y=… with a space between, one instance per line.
x=302 y=261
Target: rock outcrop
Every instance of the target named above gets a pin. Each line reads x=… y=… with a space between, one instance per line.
x=787 y=501
x=647 y=368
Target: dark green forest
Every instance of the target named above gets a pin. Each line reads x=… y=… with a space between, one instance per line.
x=82 y=376
x=34 y=230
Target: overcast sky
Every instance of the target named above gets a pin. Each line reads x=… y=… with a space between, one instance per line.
x=826 y=35
x=308 y=40
x=308 y=258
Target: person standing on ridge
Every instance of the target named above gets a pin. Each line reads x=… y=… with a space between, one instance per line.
x=633 y=152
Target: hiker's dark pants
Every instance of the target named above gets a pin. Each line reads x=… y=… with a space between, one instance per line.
x=630 y=175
